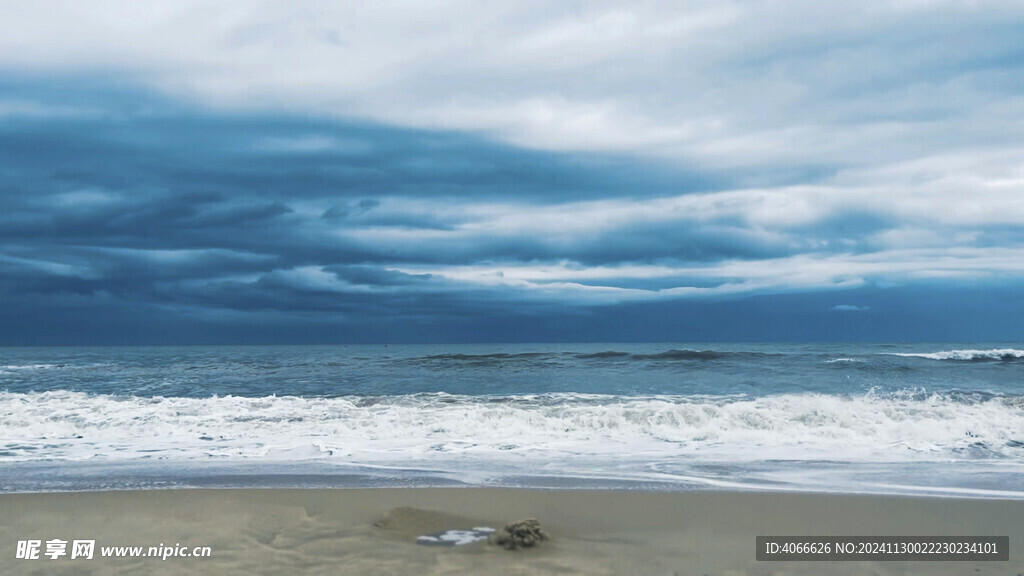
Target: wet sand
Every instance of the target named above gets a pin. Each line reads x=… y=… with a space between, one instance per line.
x=374 y=531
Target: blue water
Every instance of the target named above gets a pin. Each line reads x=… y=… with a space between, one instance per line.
x=887 y=418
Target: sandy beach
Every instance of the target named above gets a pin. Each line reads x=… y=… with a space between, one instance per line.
x=374 y=531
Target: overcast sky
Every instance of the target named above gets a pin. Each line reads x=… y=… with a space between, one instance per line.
x=448 y=171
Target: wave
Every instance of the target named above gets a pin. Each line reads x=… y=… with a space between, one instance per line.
x=995 y=354
x=687 y=355
x=605 y=354
x=486 y=357
x=671 y=355
x=538 y=429
x=1001 y=354
x=844 y=361
x=17 y=370
x=668 y=355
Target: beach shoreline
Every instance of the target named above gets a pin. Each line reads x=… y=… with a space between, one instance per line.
x=374 y=530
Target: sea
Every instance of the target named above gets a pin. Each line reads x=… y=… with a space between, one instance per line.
x=898 y=418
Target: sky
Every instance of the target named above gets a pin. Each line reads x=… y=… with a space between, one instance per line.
x=349 y=172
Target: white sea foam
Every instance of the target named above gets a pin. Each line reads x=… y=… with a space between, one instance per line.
x=23 y=367
x=549 y=431
x=992 y=354
x=456 y=537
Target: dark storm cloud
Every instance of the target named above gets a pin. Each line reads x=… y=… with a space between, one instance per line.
x=186 y=152
x=373 y=276
x=599 y=170
x=105 y=200
x=128 y=218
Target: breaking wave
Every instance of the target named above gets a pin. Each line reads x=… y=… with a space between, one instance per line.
x=1002 y=354
x=551 y=428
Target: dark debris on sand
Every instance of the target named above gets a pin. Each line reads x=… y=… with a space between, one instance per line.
x=522 y=534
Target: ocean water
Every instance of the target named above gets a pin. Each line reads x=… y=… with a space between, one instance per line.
x=935 y=419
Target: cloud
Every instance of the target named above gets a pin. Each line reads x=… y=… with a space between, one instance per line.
x=463 y=163
x=168 y=207
x=730 y=84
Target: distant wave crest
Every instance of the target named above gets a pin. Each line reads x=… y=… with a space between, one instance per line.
x=667 y=355
x=1003 y=354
